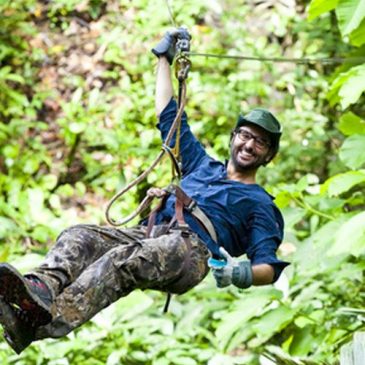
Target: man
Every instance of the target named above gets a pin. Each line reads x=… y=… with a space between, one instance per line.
x=90 y=267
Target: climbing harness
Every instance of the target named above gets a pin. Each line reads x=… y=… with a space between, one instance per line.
x=183 y=202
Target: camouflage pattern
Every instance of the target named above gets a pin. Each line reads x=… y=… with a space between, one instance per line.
x=91 y=267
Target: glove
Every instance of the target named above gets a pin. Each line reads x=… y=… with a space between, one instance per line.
x=167 y=45
x=230 y=271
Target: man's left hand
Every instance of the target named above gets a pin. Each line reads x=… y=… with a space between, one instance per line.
x=229 y=271
x=166 y=47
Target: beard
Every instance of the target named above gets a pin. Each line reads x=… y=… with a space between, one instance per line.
x=246 y=159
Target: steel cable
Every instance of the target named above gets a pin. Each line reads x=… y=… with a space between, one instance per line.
x=304 y=60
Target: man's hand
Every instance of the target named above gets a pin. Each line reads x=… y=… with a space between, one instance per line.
x=230 y=271
x=156 y=192
x=167 y=46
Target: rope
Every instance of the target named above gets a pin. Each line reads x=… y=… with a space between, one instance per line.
x=147 y=200
x=282 y=59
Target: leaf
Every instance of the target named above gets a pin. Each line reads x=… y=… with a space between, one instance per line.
x=77 y=96
x=350 y=237
x=352 y=89
x=350 y=124
x=15 y=78
x=352 y=152
x=292 y=215
x=350 y=14
x=273 y=321
x=6 y=226
x=76 y=127
x=248 y=307
x=341 y=183
x=318 y=7
x=357 y=37
x=303 y=341
x=184 y=360
x=348 y=87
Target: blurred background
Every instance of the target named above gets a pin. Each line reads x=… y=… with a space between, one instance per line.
x=77 y=124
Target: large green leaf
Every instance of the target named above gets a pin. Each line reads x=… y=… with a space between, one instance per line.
x=272 y=322
x=245 y=309
x=341 y=183
x=348 y=87
x=350 y=237
x=318 y=7
x=357 y=37
x=350 y=13
x=350 y=124
x=352 y=152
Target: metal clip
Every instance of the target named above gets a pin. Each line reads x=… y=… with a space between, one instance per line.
x=182 y=64
x=182 y=45
x=182 y=67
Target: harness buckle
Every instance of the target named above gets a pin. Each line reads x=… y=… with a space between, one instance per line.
x=183 y=228
x=191 y=206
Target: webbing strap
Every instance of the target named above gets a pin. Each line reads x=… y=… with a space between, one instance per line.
x=185 y=201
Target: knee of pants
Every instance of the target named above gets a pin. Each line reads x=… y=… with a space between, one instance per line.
x=74 y=230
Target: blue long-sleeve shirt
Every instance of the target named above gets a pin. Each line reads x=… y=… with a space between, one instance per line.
x=244 y=216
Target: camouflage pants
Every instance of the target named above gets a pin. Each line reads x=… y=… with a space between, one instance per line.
x=91 y=267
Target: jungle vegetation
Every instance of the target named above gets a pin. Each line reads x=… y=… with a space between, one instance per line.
x=77 y=123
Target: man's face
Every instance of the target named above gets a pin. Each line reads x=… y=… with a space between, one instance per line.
x=250 y=148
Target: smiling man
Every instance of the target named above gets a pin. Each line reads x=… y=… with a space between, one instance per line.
x=242 y=212
x=218 y=212
x=254 y=143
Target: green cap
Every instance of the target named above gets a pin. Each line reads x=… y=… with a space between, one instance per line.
x=263 y=118
x=266 y=120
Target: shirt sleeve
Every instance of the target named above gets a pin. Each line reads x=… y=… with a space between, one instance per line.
x=191 y=150
x=266 y=234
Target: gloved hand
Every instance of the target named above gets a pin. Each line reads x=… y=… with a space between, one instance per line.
x=229 y=271
x=167 y=46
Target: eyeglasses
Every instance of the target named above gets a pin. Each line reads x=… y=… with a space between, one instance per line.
x=245 y=136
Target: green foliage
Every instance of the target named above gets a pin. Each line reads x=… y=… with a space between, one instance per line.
x=319 y=7
x=348 y=86
x=350 y=13
x=77 y=123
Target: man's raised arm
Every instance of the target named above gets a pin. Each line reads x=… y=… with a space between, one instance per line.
x=165 y=50
x=164 y=90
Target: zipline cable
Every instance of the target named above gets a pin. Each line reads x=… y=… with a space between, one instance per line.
x=281 y=59
x=170 y=13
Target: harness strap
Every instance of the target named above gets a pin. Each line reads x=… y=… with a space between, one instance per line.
x=185 y=201
x=152 y=216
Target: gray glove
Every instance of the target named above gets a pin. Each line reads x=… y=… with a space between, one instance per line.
x=167 y=46
x=230 y=271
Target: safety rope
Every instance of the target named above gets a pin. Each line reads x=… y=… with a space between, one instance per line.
x=281 y=59
x=165 y=149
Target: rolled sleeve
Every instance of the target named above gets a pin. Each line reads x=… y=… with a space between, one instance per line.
x=266 y=236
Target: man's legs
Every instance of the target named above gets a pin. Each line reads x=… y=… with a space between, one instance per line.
x=78 y=247
x=90 y=267
x=154 y=263
x=25 y=302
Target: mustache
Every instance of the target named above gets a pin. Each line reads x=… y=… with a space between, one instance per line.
x=249 y=151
